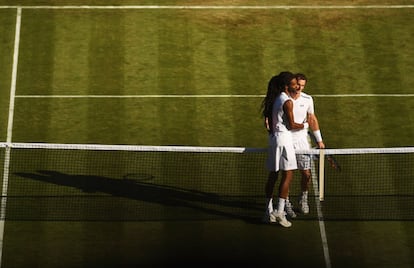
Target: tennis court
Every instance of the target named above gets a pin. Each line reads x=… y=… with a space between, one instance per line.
x=173 y=74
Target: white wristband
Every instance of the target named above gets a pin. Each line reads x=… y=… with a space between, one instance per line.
x=305 y=125
x=318 y=136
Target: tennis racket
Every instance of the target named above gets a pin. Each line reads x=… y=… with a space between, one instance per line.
x=331 y=159
x=333 y=162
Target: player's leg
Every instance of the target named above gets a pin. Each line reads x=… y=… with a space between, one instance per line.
x=273 y=167
x=287 y=176
x=286 y=161
x=269 y=189
x=290 y=211
x=303 y=198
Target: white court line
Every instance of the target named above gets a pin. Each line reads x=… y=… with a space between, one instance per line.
x=199 y=96
x=6 y=166
x=215 y=7
x=139 y=96
x=14 y=75
x=322 y=229
x=361 y=95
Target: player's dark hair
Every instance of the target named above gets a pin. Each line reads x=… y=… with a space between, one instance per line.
x=272 y=92
x=275 y=86
x=284 y=80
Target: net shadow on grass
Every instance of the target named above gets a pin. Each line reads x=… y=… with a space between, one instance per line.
x=86 y=197
x=52 y=195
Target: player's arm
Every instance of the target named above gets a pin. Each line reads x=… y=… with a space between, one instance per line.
x=313 y=122
x=267 y=124
x=288 y=110
x=314 y=126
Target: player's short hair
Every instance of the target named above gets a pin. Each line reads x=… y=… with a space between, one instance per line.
x=300 y=76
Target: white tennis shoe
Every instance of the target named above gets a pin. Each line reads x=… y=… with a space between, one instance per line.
x=281 y=219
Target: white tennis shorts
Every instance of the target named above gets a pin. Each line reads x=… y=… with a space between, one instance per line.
x=281 y=155
x=302 y=143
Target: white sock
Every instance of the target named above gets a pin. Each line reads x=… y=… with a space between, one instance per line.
x=305 y=195
x=281 y=206
x=270 y=205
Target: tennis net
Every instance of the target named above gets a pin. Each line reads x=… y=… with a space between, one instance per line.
x=81 y=182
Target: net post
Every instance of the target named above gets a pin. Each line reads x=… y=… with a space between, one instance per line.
x=321 y=174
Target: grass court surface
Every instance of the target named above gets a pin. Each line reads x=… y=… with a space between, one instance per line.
x=195 y=76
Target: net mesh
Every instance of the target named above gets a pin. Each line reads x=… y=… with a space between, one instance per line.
x=376 y=186
x=145 y=183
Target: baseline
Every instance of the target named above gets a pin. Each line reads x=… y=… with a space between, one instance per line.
x=213 y=7
x=204 y=96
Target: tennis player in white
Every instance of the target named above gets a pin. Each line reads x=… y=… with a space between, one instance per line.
x=279 y=121
x=303 y=111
